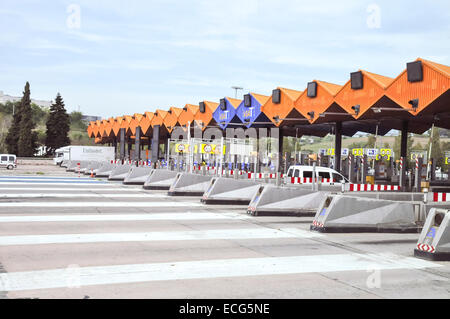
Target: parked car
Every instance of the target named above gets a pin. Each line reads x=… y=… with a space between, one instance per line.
x=8 y=160
x=328 y=175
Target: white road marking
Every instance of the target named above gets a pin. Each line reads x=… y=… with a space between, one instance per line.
x=6 y=180
x=203 y=269
x=74 y=183
x=71 y=189
x=101 y=204
x=252 y=233
x=119 y=217
x=93 y=195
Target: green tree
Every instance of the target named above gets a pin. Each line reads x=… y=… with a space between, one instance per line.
x=26 y=145
x=436 y=151
x=76 y=121
x=58 y=126
x=12 y=138
x=371 y=141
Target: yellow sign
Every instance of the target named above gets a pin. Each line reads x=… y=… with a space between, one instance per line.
x=208 y=148
x=385 y=152
x=182 y=148
x=446 y=160
x=358 y=152
x=330 y=152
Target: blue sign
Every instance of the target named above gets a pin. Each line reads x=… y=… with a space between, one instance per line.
x=431 y=233
x=252 y=113
x=226 y=115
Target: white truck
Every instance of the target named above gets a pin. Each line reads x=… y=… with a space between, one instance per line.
x=83 y=153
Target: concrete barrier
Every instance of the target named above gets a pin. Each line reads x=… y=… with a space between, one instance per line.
x=434 y=240
x=105 y=169
x=65 y=163
x=287 y=201
x=137 y=175
x=91 y=167
x=120 y=172
x=186 y=184
x=73 y=167
x=344 y=213
x=230 y=191
x=160 y=179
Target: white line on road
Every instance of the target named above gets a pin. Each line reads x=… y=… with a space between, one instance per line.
x=74 y=183
x=203 y=269
x=71 y=189
x=92 y=195
x=119 y=217
x=101 y=204
x=220 y=234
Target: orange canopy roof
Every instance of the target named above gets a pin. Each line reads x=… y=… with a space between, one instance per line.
x=171 y=119
x=436 y=81
x=187 y=116
x=320 y=103
x=282 y=109
x=204 y=119
x=374 y=88
x=146 y=122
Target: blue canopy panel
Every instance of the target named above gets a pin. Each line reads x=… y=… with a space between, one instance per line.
x=225 y=115
x=249 y=113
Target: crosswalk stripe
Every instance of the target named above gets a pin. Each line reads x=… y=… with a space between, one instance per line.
x=100 y=204
x=92 y=195
x=75 y=276
x=71 y=189
x=220 y=234
x=22 y=182
x=119 y=217
x=44 y=177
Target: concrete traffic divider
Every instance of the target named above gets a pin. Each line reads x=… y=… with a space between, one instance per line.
x=91 y=167
x=223 y=190
x=160 y=179
x=120 y=172
x=287 y=201
x=137 y=175
x=105 y=169
x=434 y=240
x=186 y=184
x=345 y=213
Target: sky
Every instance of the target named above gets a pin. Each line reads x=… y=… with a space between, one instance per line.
x=110 y=58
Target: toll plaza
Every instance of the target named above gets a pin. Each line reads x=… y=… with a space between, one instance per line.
x=231 y=152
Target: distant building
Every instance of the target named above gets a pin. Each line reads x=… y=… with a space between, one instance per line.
x=8 y=98
x=91 y=118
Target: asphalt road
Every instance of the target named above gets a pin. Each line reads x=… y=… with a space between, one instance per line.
x=65 y=237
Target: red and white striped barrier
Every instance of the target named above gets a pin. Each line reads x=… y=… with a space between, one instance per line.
x=427 y=248
x=441 y=197
x=370 y=188
x=309 y=180
x=262 y=175
x=317 y=224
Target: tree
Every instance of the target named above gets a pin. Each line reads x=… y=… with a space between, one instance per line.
x=436 y=151
x=76 y=121
x=26 y=144
x=12 y=138
x=58 y=126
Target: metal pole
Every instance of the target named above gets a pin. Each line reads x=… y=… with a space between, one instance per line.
x=429 y=150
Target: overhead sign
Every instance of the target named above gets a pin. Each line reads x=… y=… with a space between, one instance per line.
x=384 y=152
x=358 y=152
x=331 y=152
x=416 y=154
x=372 y=152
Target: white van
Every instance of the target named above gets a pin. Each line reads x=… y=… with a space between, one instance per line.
x=8 y=160
x=302 y=174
